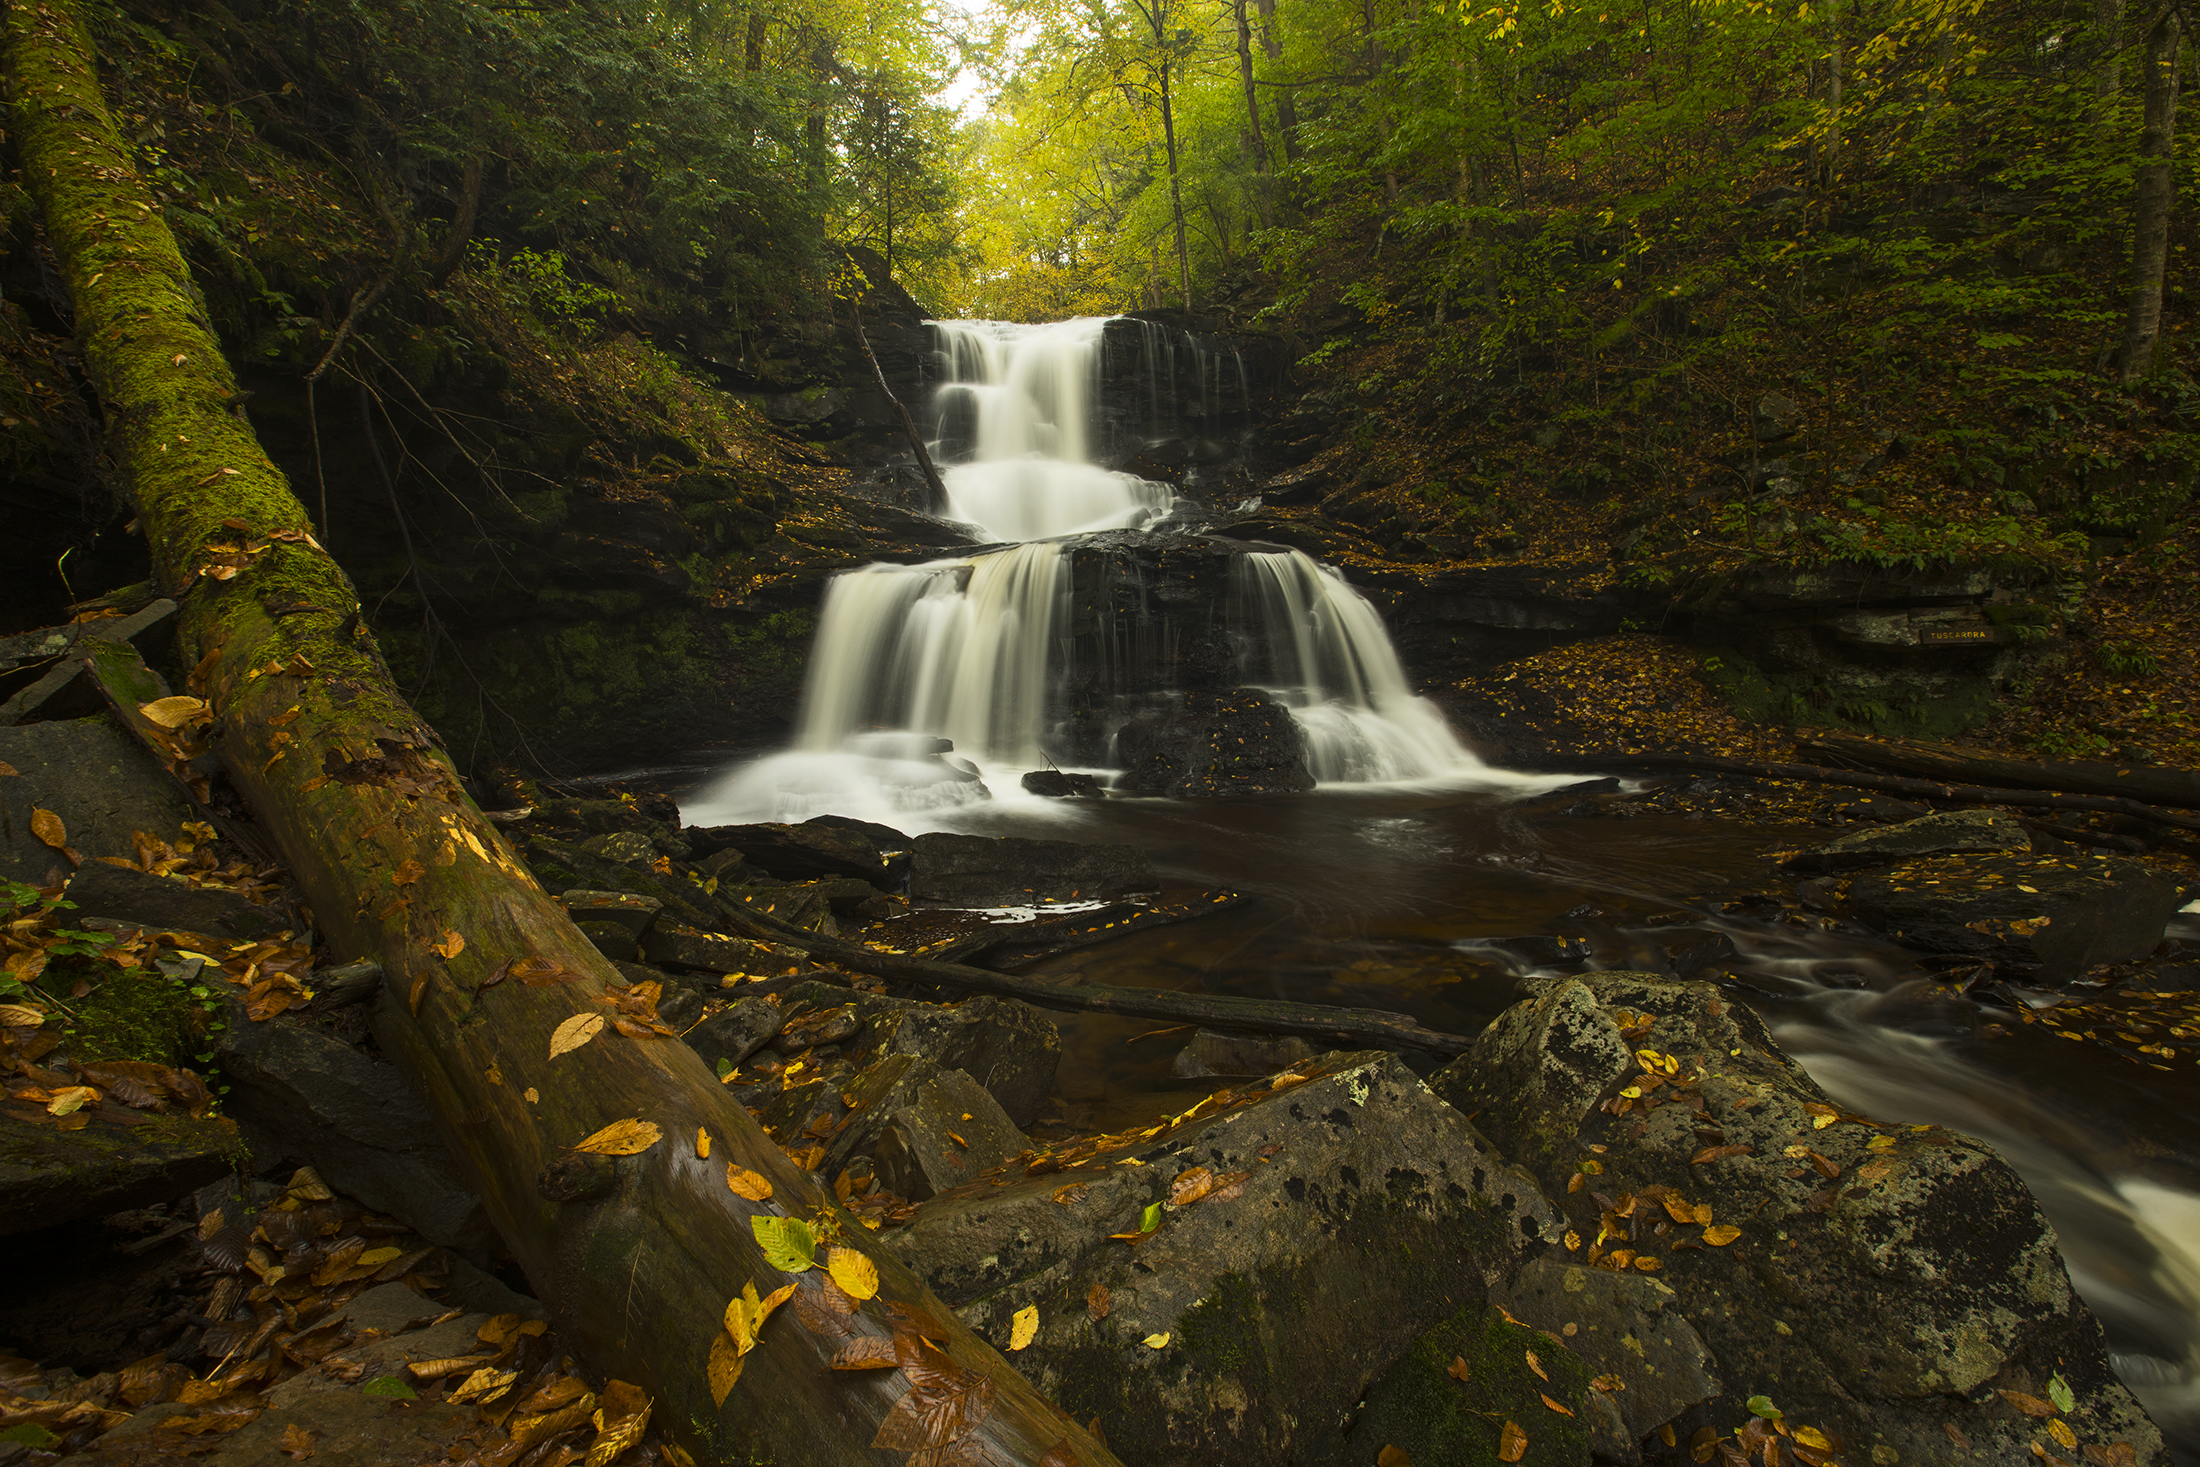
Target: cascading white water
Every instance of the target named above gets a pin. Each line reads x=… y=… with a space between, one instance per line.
x=957 y=648
x=967 y=650
x=1321 y=648
x=1030 y=391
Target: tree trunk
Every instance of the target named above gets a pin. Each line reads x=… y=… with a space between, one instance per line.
x=1245 y=76
x=1287 y=110
x=1941 y=761
x=643 y=1254
x=2108 y=72
x=752 y=58
x=1176 y=192
x=2156 y=192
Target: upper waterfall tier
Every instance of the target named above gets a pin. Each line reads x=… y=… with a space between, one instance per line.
x=1014 y=418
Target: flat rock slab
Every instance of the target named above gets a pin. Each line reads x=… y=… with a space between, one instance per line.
x=1354 y=1211
x=1879 y=1281
x=2046 y=918
x=96 y=778
x=976 y=870
x=1952 y=832
x=49 y=1176
x=127 y=894
x=304 y=1094
x=799 y=852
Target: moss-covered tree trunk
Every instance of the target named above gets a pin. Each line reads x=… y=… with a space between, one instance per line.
x=640 y=1254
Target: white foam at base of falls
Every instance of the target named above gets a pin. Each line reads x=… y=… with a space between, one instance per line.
x=954 y=648
x=1321 y=647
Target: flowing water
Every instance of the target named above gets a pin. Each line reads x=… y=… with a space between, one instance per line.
x=1414 y=878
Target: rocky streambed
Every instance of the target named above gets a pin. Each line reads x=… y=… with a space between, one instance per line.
x=1624 y=1224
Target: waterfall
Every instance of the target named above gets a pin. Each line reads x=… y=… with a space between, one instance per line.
x=958 y=648
x=1312 y=641
x=1022 y=398
x=972 y=654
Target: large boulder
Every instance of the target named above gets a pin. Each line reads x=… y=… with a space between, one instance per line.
x=1239 y=742
x=1314 y=1234
x=2044 y=918
x=1951 y=832
x=1009 y=1048
x=1876 y=1284
x=976 y=870
x=116 y=1160
x=101 y=783
x=303 y=1094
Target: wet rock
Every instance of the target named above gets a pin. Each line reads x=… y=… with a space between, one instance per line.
x=889 y=840
x=626 y=847
x=1883 y=1281
x=2046 y=918
x=800 y=852
x=1448 y=1398
x=348 y=1427
x=1621 y=1325
x=735 y=1032
x=677 y=945
x=1054 y=784
x=1951 y=832
x=808 y=906
x=615 y=940
x=303 y=1094
x=96 y=778
x=1234 y=1055
x=929 y=1129
x=1363 y=1203
x=50 y=1176
x=1239 y=742
x=679 y=1005
x=1009 y=1048
x=126 y=894
x=632 y=912
x=562 y=866
x=975 y=870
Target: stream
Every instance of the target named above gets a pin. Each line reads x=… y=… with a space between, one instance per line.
x=1412 y=877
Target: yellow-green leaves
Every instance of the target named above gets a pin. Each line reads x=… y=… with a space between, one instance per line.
x=788 y=1243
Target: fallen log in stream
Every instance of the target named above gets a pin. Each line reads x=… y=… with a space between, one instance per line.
x=639 y=1253
x=1923 y=788
x=1366 y=1028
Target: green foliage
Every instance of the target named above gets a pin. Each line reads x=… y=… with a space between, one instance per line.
x=2127 y=658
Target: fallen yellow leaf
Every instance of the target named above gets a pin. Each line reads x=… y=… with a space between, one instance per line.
x=856 y=1274
x=1024 y=1328
x=622 y=1138
x=753 y=1185
x=574 y=1033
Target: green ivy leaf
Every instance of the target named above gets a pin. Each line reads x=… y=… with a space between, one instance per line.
x=788 y=1243
x=2059 y=1391
x=391 y=1387
x=1762 y=1406
x=1151 y=1219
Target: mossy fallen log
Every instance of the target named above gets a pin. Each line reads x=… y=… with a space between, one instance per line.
x=491 y=985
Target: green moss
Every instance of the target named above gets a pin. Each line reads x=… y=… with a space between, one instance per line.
x=1423 y=1407
x=137 y=1014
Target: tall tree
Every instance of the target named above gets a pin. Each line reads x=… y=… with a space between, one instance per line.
x=644 y=1255
x=2156 y=193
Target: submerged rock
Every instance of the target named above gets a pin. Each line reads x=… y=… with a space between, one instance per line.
x=1952 y=832
x=2044 y=918
x=1874 y=1283
x=1054 y=784
x=1239 y=742
x=1314 y=1235
x=975 y=870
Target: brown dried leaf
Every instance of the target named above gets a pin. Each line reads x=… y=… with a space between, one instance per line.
x=574 y=1033
x=549 y=1397
x=753 y=1185
x=536 y=972
x=297 y=1442
x=483 y=1386
x=870 y=1352
x=1457 y=1370
x=1512 y=1443
x=1561 y=1410
x=1097 y=1301
x=1720 y=1236
x=944 y=1402
x=2029 y=1405
x=408 y=871
x=1191 y=1186
x=723 y=1368
x=450 y=945
x=622 y=1138
x=47 y=827
x=1393 y=1456
x=1720 y=1153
